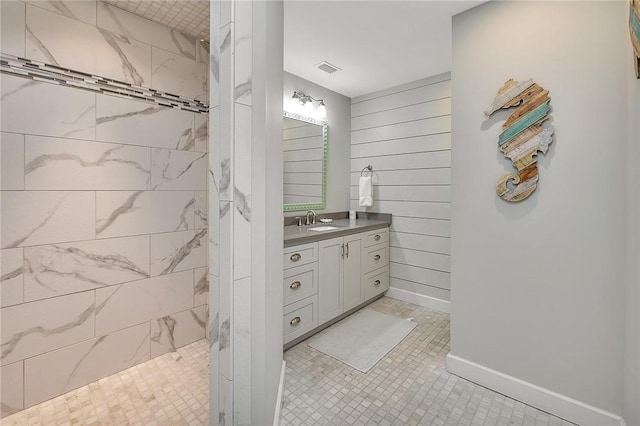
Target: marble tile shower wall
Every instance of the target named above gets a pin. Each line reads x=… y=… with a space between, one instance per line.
x=230 y=208
x=104 y=200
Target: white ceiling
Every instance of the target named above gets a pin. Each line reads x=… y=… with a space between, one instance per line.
x=377 y=44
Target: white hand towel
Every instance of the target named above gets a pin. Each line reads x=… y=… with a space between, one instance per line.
x=366 y=191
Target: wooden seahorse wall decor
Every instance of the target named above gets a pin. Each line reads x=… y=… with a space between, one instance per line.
x=523 y=135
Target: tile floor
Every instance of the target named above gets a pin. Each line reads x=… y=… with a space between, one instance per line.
x=172 y=389
x=410 y=386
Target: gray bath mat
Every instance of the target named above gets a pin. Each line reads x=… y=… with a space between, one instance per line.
x=363 y=339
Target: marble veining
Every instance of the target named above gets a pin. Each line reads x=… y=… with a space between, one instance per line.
x=54 y=164
x=12 y=274
x=182 y=252
x=107 y=157
x=84 y=11
x=50 y=213
x=225 y=334
x=243 y=89
x=186 y=211
x=41 y=47
x=115 y=55
x=225 y=208
x=202 y=322
x=214 y=330
x=171 y=168
x=58 y=269
x=130 y=71
x=186 y=141
x=201 y=133
x=242 y=204
x=173 y=331
x=178 y=75
x=10 y=345
x=202 y=285
x=226 y=41
x=120 y=306
x=59 y=111
x=75 y=121
x=61 y=7
x=142 y=112
x=165 y=325
x=11 y=280
x=95 y=344
x=18 y=89
x=123 y=213
x=133 y=26
x=127 y=206
x=214 y=181
x=225 y=175
x=179 y=40
x=200 y=209
x=83 y=363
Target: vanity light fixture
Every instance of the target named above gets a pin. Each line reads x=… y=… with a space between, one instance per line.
x=306 y=102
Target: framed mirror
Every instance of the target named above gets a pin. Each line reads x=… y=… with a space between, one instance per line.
x=304 y=142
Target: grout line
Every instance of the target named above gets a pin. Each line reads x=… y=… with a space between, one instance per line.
x=401 y=138
x=395 y=123
x=399 y=107
x=402 y=91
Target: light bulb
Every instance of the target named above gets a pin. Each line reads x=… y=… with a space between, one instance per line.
x=308 y=108
x=322 y=110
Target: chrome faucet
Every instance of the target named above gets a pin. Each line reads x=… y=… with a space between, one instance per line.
x=314 y=218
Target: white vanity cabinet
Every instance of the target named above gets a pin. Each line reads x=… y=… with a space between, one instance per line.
x=339 y=287
x=327 y=279
x=375 y=262
x=300 y=288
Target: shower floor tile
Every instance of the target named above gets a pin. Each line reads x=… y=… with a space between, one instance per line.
x=409 y=386
x=172 y=389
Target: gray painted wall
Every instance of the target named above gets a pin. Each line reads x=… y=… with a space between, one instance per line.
x=405 y=133
x=631 y=393
x=338 y=120
x=538 y=287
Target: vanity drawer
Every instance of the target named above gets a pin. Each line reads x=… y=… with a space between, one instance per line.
x=300 y=282
x=300 y=317
x=376 y=236
x=375 y=257
x=375 y=283
x=300 y=255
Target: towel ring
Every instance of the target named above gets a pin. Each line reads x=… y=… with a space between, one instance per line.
x=369 y=169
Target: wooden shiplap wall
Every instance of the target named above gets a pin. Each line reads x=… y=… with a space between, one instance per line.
x=405 y=134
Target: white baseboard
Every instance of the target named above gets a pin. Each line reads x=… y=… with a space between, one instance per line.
x=419 y=299
x=278 y=413
x=530 y=394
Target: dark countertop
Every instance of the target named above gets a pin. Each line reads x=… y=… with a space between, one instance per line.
x=295 y=235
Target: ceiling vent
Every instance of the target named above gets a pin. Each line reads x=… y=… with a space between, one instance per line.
x=327 y=67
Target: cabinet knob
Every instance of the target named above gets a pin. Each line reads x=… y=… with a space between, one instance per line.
x=295 y=285
x=295 y=257
x=376 y=237
x=295 y=321
x=376 y=257
x=376 y=282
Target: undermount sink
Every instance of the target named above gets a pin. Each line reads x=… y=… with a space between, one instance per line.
x=323 y=228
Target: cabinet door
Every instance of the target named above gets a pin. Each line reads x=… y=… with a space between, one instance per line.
x=353 y=294
x=330 y=270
